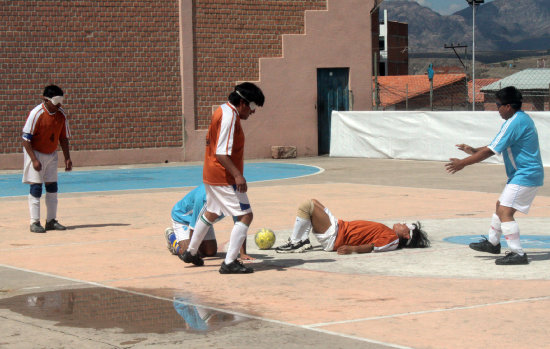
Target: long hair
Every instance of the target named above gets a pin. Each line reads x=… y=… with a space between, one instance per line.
x=419 y=238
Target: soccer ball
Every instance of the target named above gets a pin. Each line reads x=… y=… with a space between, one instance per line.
x=265 y=239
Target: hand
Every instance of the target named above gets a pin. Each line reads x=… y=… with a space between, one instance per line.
x=245 y=257
x=466 y=148
x=68 y=165
x=37 y=165
x=240 y=183
x=345 y=249
x=454 y=166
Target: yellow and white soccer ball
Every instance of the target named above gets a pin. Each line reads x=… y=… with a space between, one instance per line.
x=265 y=239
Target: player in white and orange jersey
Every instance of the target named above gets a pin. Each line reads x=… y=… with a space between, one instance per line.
x=223 y=177
x=347 y=237
x=45 y=129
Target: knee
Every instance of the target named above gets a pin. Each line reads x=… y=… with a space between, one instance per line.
x=305 y=210
x=36 y=190
x=51 y=187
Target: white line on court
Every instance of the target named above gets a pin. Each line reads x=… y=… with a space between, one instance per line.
x=252 y=317
x=430 y=311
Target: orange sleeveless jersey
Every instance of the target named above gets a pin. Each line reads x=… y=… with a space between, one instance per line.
x=46 y=129
x=225 y=137
x=358 y=233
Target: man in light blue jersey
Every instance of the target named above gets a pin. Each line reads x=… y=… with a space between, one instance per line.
x=518 y=142
x=185 y=214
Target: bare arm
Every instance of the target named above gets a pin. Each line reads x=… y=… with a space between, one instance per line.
x=478 y=155
x=347 y=249
x=228 y=164
x=64 y=143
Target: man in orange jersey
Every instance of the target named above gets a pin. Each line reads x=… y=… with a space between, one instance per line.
x=223 y=177
x=46 y=127
x=347 y=237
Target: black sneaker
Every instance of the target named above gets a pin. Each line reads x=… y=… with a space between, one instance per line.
x=298 y=247
x=54 y=225
x=485 y=246
x=512 y=258
x=37 y=228
x=235 y=267
x=187 y=257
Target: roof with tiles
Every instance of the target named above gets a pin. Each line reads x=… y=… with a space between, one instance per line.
x=480 y=83
x=395 y=89
x=528 y=79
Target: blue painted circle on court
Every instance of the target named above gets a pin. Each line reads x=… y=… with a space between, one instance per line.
x=150 y=178
x=527 y=241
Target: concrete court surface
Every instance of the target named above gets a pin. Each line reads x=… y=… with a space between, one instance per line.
x=109 y=282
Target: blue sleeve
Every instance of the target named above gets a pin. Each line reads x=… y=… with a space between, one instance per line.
x=506 y=137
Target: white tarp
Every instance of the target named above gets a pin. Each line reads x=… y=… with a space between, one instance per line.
x=417 y=135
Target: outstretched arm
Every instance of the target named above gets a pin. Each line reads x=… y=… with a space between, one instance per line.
x=348 y=249
x=478 y=155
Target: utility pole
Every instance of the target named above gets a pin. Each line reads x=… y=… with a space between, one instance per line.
x=474 y=3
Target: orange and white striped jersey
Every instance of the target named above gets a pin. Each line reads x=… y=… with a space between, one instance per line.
x=356 y=233
x=44 y=130
x=225 y=137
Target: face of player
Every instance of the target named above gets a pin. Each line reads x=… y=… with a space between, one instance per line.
x=505 y=110
x=52 y=108
x=402 y=231
x=244 y=110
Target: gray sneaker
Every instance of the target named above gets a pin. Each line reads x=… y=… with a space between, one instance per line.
x=299 y=247
x=485 y=246
x=54 y=225
x=512 y=258
x=37 y=228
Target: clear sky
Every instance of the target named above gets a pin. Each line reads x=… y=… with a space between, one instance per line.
x=445 y=7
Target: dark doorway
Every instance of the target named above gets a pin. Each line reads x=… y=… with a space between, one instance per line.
x=332 y=94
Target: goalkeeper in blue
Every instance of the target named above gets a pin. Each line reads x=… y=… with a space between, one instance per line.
x=185 y=214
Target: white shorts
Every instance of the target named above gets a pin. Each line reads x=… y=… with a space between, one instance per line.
x=518 y=197
x=48 y=174
x=328 y=238
x=226 y=200
x=182 y=232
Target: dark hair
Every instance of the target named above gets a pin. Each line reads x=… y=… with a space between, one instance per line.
x=419 y=238
x=52 y=91
x=248 y=92
x=510 y=95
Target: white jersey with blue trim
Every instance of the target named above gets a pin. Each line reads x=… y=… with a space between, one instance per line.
x=518 y=142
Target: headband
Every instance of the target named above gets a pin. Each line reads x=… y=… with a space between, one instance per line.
x=252 y=105
x=57 y=100
x=411 y=227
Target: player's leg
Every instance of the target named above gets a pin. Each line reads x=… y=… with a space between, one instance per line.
x=492 y=244
x=236 y=204
x=299 y=239
x=34 y=179
x=50 y=178
x=209 y=246
x=514 y=198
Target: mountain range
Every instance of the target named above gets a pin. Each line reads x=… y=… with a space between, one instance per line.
x=501 y=26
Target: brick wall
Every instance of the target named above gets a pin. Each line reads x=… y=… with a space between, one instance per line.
x=117 y=61
x=231 y=36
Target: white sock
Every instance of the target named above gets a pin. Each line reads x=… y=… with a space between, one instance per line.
x=51 y=206
x=34 y=208
x=511 y=233
x=302 y=227
x=201 y=228
x=495 y=232
x=238 y=234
